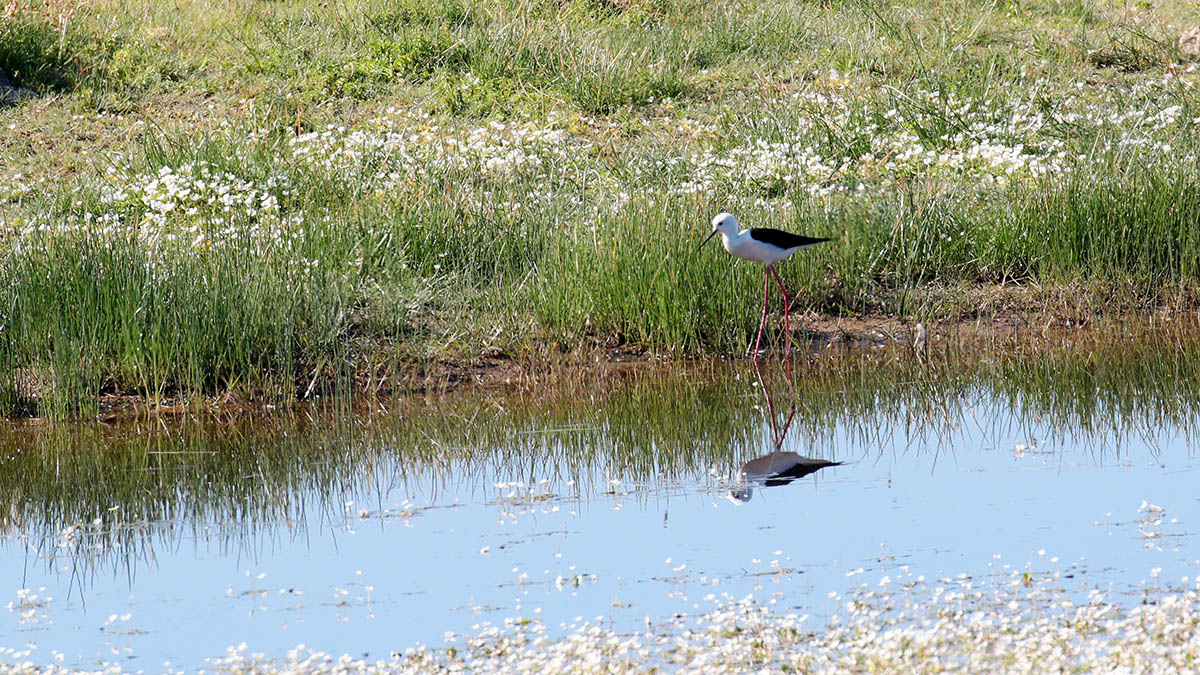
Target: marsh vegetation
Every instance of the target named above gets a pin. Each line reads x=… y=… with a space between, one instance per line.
x=275 y=202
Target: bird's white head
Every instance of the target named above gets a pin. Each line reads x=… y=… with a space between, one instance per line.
x=740 y=495
x=724 y=223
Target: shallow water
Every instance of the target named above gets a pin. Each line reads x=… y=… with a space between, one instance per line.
x=369 y=531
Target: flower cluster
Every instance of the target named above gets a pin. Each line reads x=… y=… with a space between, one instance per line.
x=194 y=198
x=1019 y=621
x=30 y=607
x=384 y=156
x=841 y=142
x=838 y=136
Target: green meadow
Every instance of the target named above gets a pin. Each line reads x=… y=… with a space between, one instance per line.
x=281 y=200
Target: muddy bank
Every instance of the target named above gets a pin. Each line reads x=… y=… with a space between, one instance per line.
x=598 y=364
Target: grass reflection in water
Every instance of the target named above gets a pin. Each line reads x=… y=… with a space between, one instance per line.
x=97 y=497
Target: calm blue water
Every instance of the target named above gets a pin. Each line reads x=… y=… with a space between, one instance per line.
x=443 y=548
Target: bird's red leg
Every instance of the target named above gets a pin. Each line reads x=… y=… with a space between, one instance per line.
x=787 y=333
x=770 y=406
x=786 y=424
x=763 y=321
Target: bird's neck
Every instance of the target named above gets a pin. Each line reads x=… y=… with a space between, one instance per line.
x=730 y=240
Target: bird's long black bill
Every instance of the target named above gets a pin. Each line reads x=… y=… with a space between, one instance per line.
x=710 y=236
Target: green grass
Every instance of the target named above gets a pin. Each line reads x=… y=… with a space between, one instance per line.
x=386 y=186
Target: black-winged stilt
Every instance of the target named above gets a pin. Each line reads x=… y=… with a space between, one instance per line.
x=764 y=245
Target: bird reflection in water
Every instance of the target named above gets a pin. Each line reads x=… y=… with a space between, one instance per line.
x=778 y=467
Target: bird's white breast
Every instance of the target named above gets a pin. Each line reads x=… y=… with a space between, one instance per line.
x=746 y=247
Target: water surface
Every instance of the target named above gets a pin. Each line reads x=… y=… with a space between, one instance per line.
x=369 y=530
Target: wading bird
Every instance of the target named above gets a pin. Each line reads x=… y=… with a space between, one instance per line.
x=764 y=245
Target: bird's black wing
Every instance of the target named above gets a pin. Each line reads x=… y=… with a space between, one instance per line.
x=783 y=239
x=804 y=468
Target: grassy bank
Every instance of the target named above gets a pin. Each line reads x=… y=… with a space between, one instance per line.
x=262 y=201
